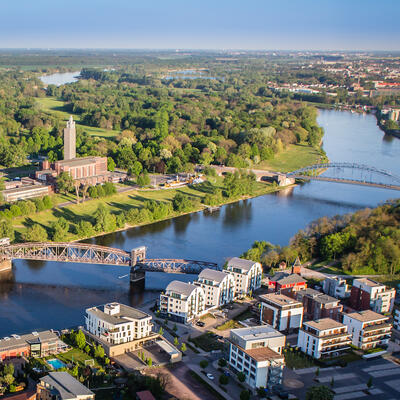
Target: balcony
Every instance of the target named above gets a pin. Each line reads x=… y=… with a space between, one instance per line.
x=376 y=327
x=346 y=341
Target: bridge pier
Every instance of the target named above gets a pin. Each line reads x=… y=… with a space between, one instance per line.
x=5 y=265
x=137 y=277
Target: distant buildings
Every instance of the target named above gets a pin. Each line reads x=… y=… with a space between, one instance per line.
x=285 y=282
x=246 y=274
x=257 y=352
x=62 y=386
x=25 y=192
x=182 y=302
x=336 y=287
x=318 y=305
x=368 y=294
x=368 y=329
x=218 y=287
x=323 y=338
x=281 y=312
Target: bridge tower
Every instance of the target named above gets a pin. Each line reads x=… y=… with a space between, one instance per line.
x=137 y=275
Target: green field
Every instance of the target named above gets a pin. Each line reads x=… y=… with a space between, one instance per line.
x=292 y=158
x=56 y=107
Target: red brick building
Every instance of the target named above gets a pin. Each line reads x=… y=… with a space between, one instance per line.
x=284 y=282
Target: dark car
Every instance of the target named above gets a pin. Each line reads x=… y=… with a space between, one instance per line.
x=200 y=323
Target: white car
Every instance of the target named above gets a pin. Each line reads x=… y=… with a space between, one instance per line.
x=210 y=376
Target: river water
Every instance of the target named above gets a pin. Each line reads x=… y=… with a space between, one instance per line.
x=41 y=295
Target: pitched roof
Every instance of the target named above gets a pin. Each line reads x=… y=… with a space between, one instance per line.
x=212 y=275
x=240 y=263
x=66 y=385
x=181 y=287
x=16 y=341
x=283 y=278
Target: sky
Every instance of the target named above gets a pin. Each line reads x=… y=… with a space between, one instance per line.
x=201 y=24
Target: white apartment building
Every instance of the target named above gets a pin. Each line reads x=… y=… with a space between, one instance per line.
x=323 y=338
x=396 y=320
x=281 y=312
x=182 y=302
x=246 y=274
x=336 y=287
x=368 y=329
x=117 y=323
x=257 y=352
x=367 y=293
x=218 y=287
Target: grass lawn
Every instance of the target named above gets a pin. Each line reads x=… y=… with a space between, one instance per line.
x=233 y=323
x=76 y=356
x=208 y=342
x=292 y=158
x=297 y=360
x=56 y=107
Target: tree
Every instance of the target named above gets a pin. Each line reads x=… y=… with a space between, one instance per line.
x=182 y=202
x=241 y=376
x=319 y=393
x=203 y=364
x=149 y=362
x=369 y=383
x=65 y=183
x=110 y=164
x=47 y=202
x=222 y=362
x=183 y=347
x=35 y=233
x=80 y=339
x=143 y=179
x=136 y=168
x=8 y=379
x=161 y=331
x=223 y=379
x=244 y=395
x=176 y=341
x=99 y=352
x=6 y=229
x=75 y=371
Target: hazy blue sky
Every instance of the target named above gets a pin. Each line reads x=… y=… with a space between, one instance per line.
x=209 y=24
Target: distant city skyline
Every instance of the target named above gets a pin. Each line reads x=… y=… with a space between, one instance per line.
x=218 y=24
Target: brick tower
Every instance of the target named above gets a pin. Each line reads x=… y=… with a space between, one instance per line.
x=70 y=140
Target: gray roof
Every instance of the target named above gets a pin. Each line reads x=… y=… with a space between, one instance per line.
x=16 y=341
x=181 y=287
x=66 y=385
x=212 y=275
x=125 y=314
x=284 y=278
x=240 y=263
x=317 y=296
x=257 y=332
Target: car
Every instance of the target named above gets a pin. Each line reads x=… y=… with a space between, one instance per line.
x=219 y=337
x=210 y=376
x=227 y=373
x=200 y=323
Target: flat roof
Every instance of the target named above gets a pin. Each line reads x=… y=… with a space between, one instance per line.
x=212 y=275
x=240 y=263
x=76 y=162
x=66 y=385
x=317 y=296
x=369 y=282
x=366 y=316
x=168 y=348
x=181 y=287
x=257 y=332
x=24 y=188
x=17 y=341
x=324 y=324
x=262 y=354
x=125 y=314
x=280 y=299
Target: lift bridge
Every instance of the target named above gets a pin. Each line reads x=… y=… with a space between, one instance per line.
x=351 y=173
x=93 y=254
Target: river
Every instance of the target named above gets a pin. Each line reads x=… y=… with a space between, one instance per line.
x=43 y=295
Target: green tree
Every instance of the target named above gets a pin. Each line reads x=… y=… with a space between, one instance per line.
x=136 y=169
x=35 y=233
x=65 y=182
x=110 y=164
x=241 y=376
x=369 y=383
x=183 y=347
x=80 y=339
x=223 y=379
x=222 y=362
x=47 y=202
x=319 y=393
x=143 y=179
x=244 y=395
x=6 y=229
x=176 y=341
x=99 y=352
x=203 y=364
x=161 y=331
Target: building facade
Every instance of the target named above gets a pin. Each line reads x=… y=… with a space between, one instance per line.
x=70 y=140
x=182 y=302
x=368 y=329
x=368 y=294
x=323 y=338
x=257 y=352
x=281 y=312
x=218 y=287
x=318 y=305
x=336 y=287
x=26 y=192
x=247 y=275
x=286 y=283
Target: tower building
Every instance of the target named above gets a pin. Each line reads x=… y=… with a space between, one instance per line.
x=70 y=140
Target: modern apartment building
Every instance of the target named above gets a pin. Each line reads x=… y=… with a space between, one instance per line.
x=368 y=329
x=246 y=274
x=336 y=287
x=182 y=302
x=257 y=352
x=281 y=312
x=323 y=338
x=318 y=305
x=218 y=287
x=117 y=323
x=368 y=294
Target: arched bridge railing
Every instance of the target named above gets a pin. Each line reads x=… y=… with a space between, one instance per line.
x=93 y=254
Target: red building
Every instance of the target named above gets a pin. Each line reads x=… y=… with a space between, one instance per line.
x=284 y=282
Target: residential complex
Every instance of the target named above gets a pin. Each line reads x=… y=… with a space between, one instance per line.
x=281 y=312
x=318 y=305
x=218 y=287
x=246 y=274
x=323 y=338
x=62 y=386
x=368 y=294
x=368 y=329
x=336 y=287
x=182 y=302
x=285 y=283
x=257 y=352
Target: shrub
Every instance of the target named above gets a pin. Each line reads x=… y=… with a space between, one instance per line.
x=223 y=379
x=241 y=376
x=203 y=364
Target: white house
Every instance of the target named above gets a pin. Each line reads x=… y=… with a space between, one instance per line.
x=182 y=302
x=368 y=329
x=246 y=274
x=323 y=338
x=218 y=287
x=336 y=287
x=117 y=323
x=257 y=352
x=281 y=312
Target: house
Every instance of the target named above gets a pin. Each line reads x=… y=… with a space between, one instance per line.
x=323 y=338
x=247 y=275
x=218 y=287
x=318 y=305
x=368 y=294
x=119 y=328
x=281 y=312
x=336 y=287
x=257 y=352
x=182 y=302
x=35 y=344
x=62 y=386
x=368 y=329
x=285 y=283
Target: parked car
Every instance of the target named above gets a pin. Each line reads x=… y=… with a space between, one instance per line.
x=200 y=323
x=210 y=376
x=227 y=373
